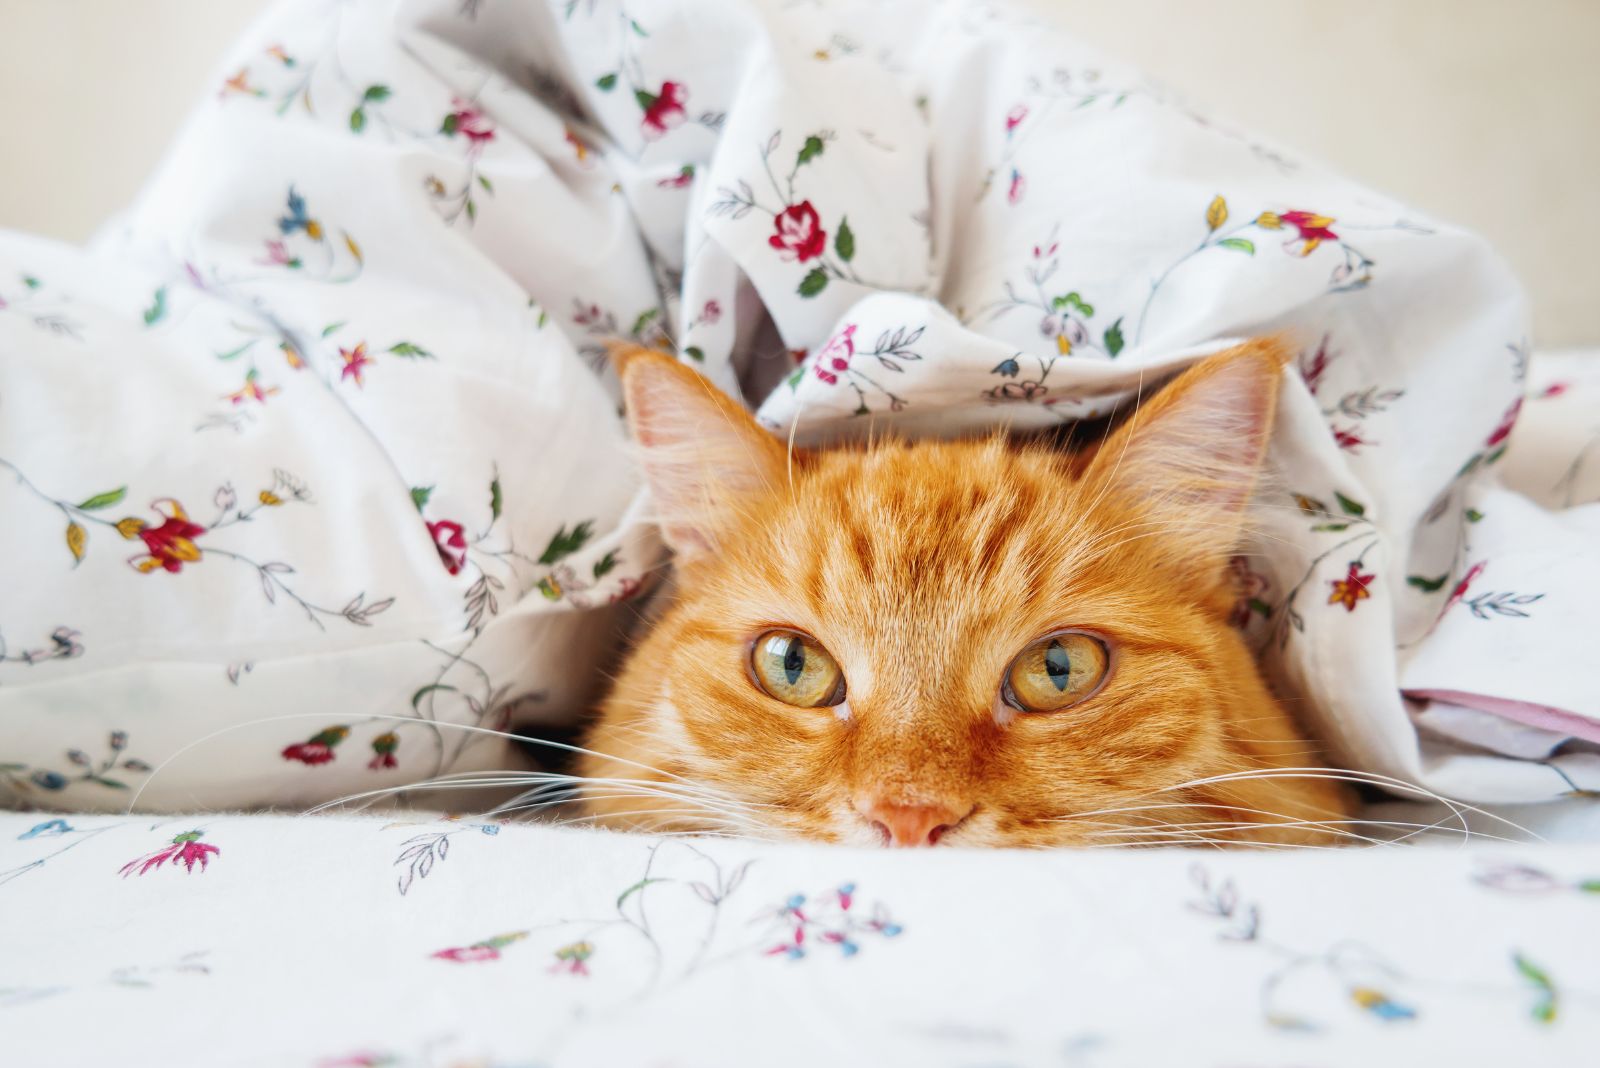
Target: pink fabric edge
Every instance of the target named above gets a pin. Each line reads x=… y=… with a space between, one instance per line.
x=1542 y=716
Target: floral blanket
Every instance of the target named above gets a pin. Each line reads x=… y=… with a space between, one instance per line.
x=311 y=470
x=336 y=943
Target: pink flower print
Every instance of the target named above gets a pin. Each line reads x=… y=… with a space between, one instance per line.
x=1014 y=117
x=278 y=256
x=469 y=954
x=471 y=123
x=240 y=83
x=1018 y=188
x=1554 y=389
x=383 y=747
x=488 y=949
x=451 y=541
x=711 y=313
x=627 y=588
x=662 y=111
x=798 y=235
x=251 y=390
x=318 y=749
x=834 y=357
x=186 y=849
x=680 y=180
x=354 y=361
x=1507 y=421
x=570 y=959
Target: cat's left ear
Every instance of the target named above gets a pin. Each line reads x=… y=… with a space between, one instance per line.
x=1192 y=453
x=703 y=454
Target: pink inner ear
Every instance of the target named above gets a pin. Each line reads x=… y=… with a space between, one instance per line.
x=1202 y=440
x=701 y=451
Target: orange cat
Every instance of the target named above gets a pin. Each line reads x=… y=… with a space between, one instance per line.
x=970 y=643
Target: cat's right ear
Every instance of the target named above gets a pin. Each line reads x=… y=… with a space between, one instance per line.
x=703 y=454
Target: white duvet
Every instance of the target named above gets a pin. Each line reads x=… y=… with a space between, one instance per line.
x=314 y=461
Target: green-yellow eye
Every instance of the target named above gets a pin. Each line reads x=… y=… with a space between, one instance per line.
x=796 y=669
x=1055 y=672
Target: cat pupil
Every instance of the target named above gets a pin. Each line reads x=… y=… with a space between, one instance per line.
x=1057 y=665
x=794 y=661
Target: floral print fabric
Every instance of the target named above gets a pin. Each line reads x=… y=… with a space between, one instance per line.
x=539 y=946
x=312 y=470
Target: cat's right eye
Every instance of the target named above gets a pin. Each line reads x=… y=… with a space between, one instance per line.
x=796 y=669
x=1055 y=672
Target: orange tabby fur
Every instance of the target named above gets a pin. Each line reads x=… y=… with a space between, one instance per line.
x=924 y=569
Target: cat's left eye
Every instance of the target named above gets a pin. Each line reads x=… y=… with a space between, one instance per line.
x=796 y=669
x=1056 y=672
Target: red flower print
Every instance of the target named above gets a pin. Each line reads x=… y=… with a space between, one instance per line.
x=1554 y=389
x=835 y=355
x=169 y=546
x=451 y=541
x=1507 y=421
x=1349 y=438
x=1014 y=117
x=383 y=747
x=1352 y=588
x=470 y=123
x=1311 y=229
x=1313 y=370
x=627 y=588
x=664 y=110
x=1461 y=587
x=354 y=360
x=580 y=147
x=799 y=235
x=186 y=849
x=318 y=749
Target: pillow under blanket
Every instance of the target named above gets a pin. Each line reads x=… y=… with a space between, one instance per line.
x=312 y=474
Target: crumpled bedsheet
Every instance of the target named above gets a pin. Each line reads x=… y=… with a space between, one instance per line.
x=311 y=469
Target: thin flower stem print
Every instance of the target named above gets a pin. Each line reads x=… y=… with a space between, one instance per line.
x=1308 y=232
x=175 y=542
x=419 y=853
x=33 y=300
x=1064 y=313
x=63 y=644
x=839 y=360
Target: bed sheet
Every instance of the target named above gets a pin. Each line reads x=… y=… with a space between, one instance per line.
x=411 y=940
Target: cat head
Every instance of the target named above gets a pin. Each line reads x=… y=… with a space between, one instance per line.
x=981 y=642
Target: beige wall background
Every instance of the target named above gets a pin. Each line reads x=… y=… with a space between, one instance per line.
x=1484 y=112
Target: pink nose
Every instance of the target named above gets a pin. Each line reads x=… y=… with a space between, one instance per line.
x=912 y=825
